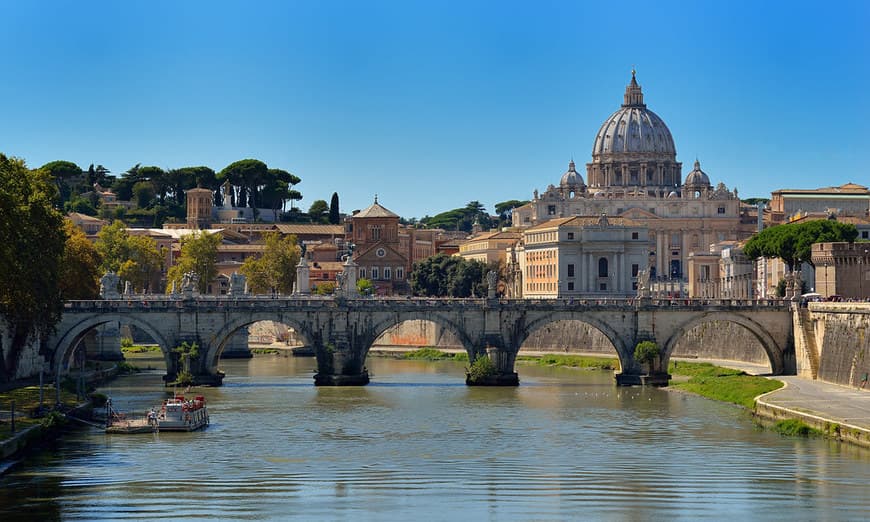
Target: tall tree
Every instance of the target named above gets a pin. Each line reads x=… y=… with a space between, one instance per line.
x=63 y=173
x=198 y=255
x=792 y=242
x=275 y=270
x=80 y=268
x=248 y=174
x=30 y=254
x=334 y=215
x=448 y=276
x=134 y=258
x=318 y=211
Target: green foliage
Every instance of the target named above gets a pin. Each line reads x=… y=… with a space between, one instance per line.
x=325 y=288
x=365 y=286
x=184 y=378
x=572 y=361
x=79 y=270
x=795 y=428
x=31 y=254
x=318 y=212
x=124 y=367
x=275 y=270
x=755 y=201
x=126 y=342
x=53 y=421
x=448 y=276
x=792 y=242
x=63 y=174
x=460 y=218
x=334 y=215
x=504 y=208
x=98 y=400
x=248 y=175
x=432 y=354
x=198 y=255
x=646 y=352
x=186 y=352
x=722 y=384
x=481 y=369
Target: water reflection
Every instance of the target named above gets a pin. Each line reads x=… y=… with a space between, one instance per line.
x=566 y=444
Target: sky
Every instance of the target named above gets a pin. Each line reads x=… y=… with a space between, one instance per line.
x=434 y=104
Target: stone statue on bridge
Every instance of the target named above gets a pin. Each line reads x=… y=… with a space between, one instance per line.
x=798 y=285
x=491 y=284
x=190 y=284
x=643 y=283
x=238 y=283
x=109 y=285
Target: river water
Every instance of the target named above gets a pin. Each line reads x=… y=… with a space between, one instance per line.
x=417 y=443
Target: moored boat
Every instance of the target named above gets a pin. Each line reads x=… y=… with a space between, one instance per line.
x=180 y=414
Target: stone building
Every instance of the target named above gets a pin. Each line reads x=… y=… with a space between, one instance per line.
x=846 y=200
x=582 y=257
x=489 y=247
x=374 y=232
x=842 y=269
x=634 y=174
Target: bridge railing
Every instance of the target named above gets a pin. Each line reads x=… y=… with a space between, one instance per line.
x=163 y=302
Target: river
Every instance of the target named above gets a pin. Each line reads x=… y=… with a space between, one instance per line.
x=417 y=443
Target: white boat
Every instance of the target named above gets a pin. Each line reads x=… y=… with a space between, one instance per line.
x=180 y=414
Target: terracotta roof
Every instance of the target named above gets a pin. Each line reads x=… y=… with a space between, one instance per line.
x=586 y=221
x=311 y=229
x=376 y=210
x=81 y=218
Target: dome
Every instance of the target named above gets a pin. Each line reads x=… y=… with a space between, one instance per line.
x=634 y=128
x=697 y=176
x=571 y=179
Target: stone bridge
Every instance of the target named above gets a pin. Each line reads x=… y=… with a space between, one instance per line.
x=341 y=330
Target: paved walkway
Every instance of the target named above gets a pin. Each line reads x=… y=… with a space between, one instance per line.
x=832 y=402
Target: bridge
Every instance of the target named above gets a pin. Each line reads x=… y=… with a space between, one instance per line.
x=342 y=330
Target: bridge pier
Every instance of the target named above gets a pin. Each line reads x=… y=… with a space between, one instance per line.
x=338 y=364
x=503 y=359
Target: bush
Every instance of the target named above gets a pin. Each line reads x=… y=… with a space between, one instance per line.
x=184 y=378
x=481 y=369
x=125 y=367
x=795 y=428
x=646 y=352
x=98 y=400
x=126 y=342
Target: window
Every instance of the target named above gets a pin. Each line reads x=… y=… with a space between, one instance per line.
x=603 y=287
x=634 y=269
x=570 y=270
x=865 y=234
x=635 y=235
x=400 y=273
x=571 y=235
x=570 y=285
x=551 y=210
x=362 y=273
x=720 y=210
x=388 y=273
x=602 y=267
x=374 y=272
x=376 y=233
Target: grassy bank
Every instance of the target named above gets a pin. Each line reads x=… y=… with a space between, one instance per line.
x=571 y=361
x=721 y=384
x=433 y=354
x=140 y=349
x=26 y=403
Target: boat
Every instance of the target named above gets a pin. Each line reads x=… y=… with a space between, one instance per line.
x=179 y=414
x=176 y=414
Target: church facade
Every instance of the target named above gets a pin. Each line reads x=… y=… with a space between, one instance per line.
x=634 y=174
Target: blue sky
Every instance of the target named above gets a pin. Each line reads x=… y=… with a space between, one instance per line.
x=434 y=104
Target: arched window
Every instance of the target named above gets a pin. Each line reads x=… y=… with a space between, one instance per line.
x=602 y=267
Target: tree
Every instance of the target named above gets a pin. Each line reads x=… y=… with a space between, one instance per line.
x=792 y=242
x=62 y=172
x=460 y=218
x=186 y=352
x=365 y=287
x=30 y=254
x=247 y=174
x=198 y=255
x=334 y=215
x=275 y=270
x=80 y=272
x=143 y=193
x=134 y=258
x=448 y=276
x=318 y=211
x=325 y=288
x=647 y=352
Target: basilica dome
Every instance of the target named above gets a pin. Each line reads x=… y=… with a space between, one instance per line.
x=633 y=128
x=571 y=179
x=697 y=177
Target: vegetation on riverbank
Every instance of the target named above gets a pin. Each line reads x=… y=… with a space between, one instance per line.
x=27 y=405
x=433 y=354
x=721 y=384
x=127 y=350
x=796 y=428
x=265 y=351
x=571 y=361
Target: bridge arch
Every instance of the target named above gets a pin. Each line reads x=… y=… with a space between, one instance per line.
x=771 y=347
x=540 y=321
x=74 y=335
x=219 y=339
x=379 y=327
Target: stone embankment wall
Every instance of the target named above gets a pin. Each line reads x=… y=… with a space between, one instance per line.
x=721 y=340
x=836 y=347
